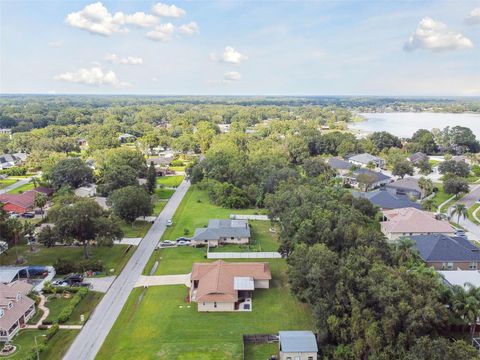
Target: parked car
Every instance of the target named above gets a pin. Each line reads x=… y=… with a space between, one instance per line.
x=167 y=243
x=28 y=215
x=73 y=278
x=169 y=222
x=183 y=238
x=460 y=232
x=183 y=243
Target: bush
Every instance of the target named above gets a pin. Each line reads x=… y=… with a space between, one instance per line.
x=64 y=266
x=177 y=163
x=68 y=310
x=15 y=171
x=51 y=332
x=47 y=322
x=42 y=327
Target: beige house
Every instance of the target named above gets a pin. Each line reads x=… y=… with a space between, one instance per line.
x=15 y=308
x=398 y=223
x=297 y=345
x=222 y=231
x=225 y=286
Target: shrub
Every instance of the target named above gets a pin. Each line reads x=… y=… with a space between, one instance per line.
x=15 y=171
x=64 y=266
x=47 y=322
x=177 y=163
x=68 y=310
x=186 y=231
x=51 y=332
x=42 y=327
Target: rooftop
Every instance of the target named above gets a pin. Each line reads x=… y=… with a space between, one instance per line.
x=408 y=183
x=339 y=164
x=218 y=228
x=411 y=220
x=298 y=341
x=365 y=158
x=461 y=277
x=439 y=247
x=386 y=200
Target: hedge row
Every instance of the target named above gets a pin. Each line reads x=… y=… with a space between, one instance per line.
x=68 y=310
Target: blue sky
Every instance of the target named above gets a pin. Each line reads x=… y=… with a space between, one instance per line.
x=241 y=47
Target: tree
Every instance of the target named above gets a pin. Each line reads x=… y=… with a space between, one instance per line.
x=115 y=177
x=316 y=166
x=402 y=168
x=426 y=185
x=385 y=140
x=460 y=210
x=466 y=304
x=85 y=221
x=452 y=167
x=17 y=230
x=204 y=134
x=48 y=236
x=455 y=185
x=131 y=202
x=424 y=166
x=40 y=201
x=366 y=180
x=423 y=141
x=69 y=172
x=428 y=204
x=151 y=178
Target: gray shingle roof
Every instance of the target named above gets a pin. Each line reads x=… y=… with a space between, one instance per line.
x=365 y=158
x=219 y=228
x=378 y=175
x=339 y=164
x=386 y=200
x=438 y=247
x=405 y=184
x=298 y=341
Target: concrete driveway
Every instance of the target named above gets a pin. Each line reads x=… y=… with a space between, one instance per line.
x=470 y=199
x=91 y=337
x=101 y=284
x=158 y=280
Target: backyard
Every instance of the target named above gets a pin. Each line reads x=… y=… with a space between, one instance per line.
x=114 y=257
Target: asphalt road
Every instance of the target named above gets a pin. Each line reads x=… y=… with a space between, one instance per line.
x=470 y=198
x=90 y=339
x=15 y=185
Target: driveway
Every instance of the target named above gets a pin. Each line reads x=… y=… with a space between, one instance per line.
x=100 y=284
x=158 y=280
x=88 y=342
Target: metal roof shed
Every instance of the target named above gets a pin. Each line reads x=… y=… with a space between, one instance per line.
x=298 y=341
x=10 y=273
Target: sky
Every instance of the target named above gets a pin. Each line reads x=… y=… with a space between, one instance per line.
x=384 y=48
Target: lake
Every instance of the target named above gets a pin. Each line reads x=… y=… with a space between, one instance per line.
x=404 y=124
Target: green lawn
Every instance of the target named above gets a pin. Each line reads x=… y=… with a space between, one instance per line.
x=86 y=306
x=170 y=181
x=7 y=182
x=22 y=189
x=440 y=197
x=194 y=211
x=260 y=351
x=138 y=230
x=175 y=260
x=56 y=347
x=114 y=257
x=160 y=324
x=160 y=199
x=471 y=210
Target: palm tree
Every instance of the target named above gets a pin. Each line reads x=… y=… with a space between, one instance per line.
x=428 y=204
x=460 y=210
x=17 y=229
x=426 y=185
x=404 y=250
x=466 y=304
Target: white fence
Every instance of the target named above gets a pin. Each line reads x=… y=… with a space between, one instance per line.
x=243 y=255
x=249 y=217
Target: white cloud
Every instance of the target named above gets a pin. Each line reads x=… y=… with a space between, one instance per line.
x=165 y=10
x=129 y=60
x=138 y=19
x=163 y=32
x=189 y=29
x=436 y=36
x=474 y=18
x=231 y=76
x=94 y=76
x=55 y=44
x=96 y=19
x=232 y=56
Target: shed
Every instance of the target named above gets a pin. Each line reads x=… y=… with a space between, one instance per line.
x=298 y=345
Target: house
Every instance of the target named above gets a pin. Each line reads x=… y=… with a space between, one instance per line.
x=24 y=202
x=16 y=308
x=86 y=191
x=340 y=166
x=226 y=286
x=376 y=179
x=462 y=278
x=444 y=252
x=365 y=159
x=222 y=231
x=418 y=157
x=9 y=274
x=9 y=160
x=398 y=223
x=224 y=128
x=124 y=138
x=297 y=345
x=385 y=200
x=7 y=132
x=407 y=186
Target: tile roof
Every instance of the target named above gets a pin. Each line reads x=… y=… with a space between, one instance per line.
x=365 y=158
x=386 y=200
x=298 y=341
x=339 y=164
x=408 y=183
x=216 y=281
x=411 y=220
x=418 y=156
x=20 y=304
x=24 y=200
x=440 y=247
x=219 y=228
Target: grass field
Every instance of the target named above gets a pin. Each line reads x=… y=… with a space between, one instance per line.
x=260 y=351
x=22 y=189
x=161 y=325
x=138 y=230
x=471 y=210
x=160 y=199
x=113 y=257
x=56 y=347
x=85 y=307
x=170 y=181
x=7 y=182
x=440 y=197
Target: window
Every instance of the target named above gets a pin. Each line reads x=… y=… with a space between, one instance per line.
x=310 y=358
x=473 y=265
x=2 y=312
x=297 y=357
x=214 y=304
x=450 y=265
x=10 y=305
x=289 y=358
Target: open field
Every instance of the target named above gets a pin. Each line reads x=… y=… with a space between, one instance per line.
x=161 y=325
x=170 y=181
x=55 y=349
x=113 y=257
x=138 y=230
x=261 y=351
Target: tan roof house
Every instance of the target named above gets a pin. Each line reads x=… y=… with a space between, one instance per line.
x=410 y=221
x=227 y=286
x=15 y=308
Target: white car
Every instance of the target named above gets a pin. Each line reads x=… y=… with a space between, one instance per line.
x=166 y=243
x=169 y=222
x=183 y=243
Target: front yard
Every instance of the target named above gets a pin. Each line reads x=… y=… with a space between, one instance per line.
x=57 y=302
x=114 y=257
x=138 y=230
x=22 y=189
x=170 y=181
x=7 y=182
